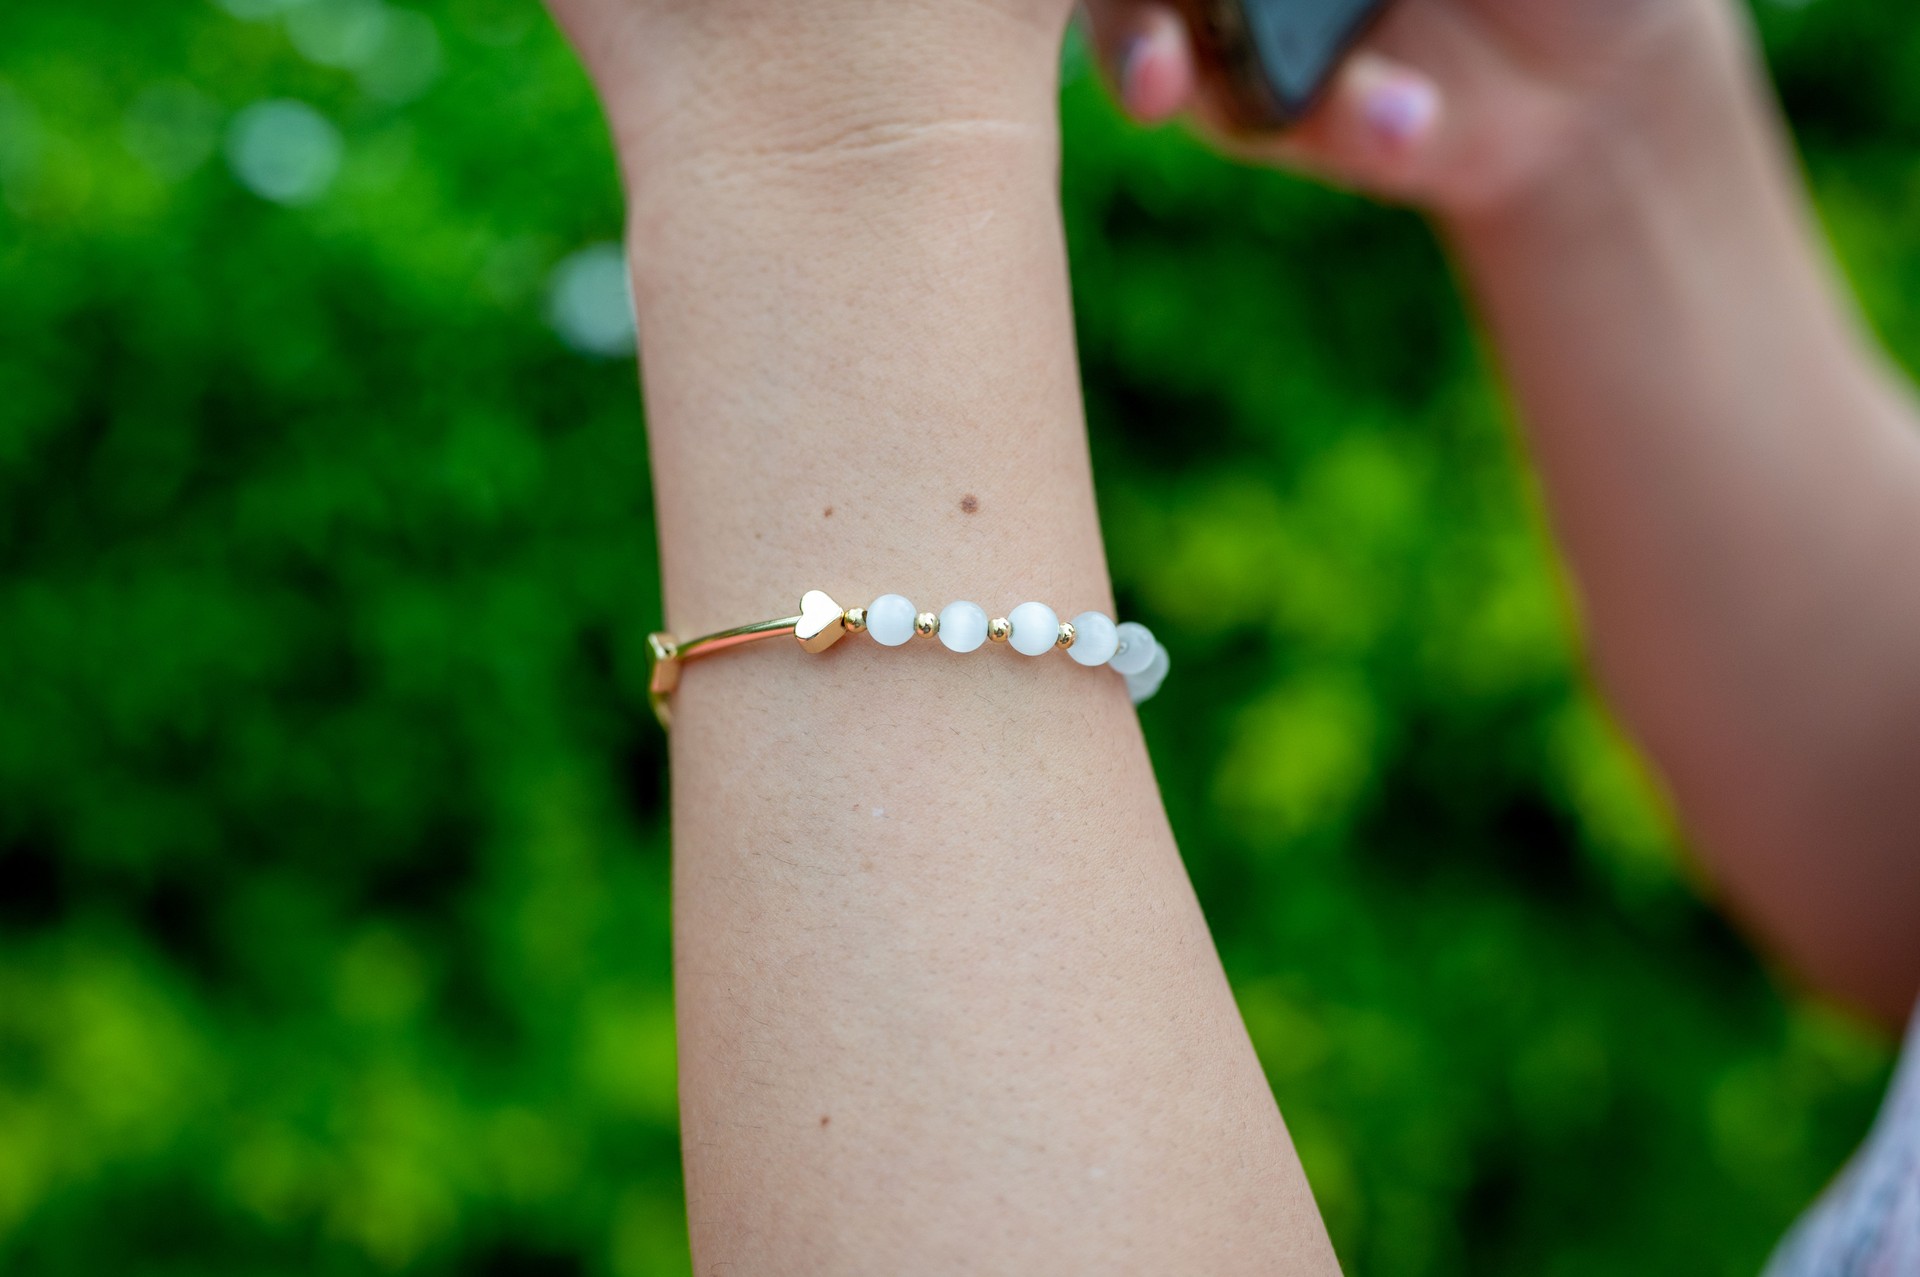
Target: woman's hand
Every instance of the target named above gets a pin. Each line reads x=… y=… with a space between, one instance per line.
x=1451 y=104
x=1732 y=474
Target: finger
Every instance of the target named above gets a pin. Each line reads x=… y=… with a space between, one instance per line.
x=1147 y=54
x=1377 y=125
x=1421 y=115
x=1407 y=116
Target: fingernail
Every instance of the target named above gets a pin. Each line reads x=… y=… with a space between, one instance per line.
x=1402 y=109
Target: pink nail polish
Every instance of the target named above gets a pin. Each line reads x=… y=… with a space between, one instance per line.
x=1400 y=110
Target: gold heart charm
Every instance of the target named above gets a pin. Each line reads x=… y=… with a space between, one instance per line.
x=821 y=623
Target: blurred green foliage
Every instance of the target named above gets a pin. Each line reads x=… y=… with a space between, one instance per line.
x=333 y=864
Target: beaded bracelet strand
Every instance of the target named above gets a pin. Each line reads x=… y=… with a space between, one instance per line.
x=1032 y=629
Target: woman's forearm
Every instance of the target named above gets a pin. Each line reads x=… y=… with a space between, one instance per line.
x=946 y=1000
x=1736 y=479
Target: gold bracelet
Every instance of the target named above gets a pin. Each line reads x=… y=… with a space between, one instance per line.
x=1090 y=638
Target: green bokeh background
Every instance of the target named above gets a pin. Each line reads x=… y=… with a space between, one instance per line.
x=333 y=859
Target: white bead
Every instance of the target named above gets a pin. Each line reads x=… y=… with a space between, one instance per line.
x=1143 y=685
x=890 y=619
x=963 y=626
x=1136 y=648
x=1036 y=628
x=1095 y=639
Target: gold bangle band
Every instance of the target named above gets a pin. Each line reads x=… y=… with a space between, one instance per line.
x=818 y=625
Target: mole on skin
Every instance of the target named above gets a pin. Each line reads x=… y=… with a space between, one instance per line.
x=969 y=504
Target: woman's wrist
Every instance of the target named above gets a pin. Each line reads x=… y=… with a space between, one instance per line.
x=858 y=355
x=863 y=378
x=711 y=188
x=747 y=84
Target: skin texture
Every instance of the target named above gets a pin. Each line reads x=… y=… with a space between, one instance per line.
x=1730 y=467
x=946 y=1001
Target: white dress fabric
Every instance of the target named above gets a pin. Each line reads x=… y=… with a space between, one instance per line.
x=1867 y=1223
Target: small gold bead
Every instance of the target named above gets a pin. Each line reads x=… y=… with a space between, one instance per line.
x=999 y=629
x=855 y=620
x=926 y=625
x=1066 y=635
